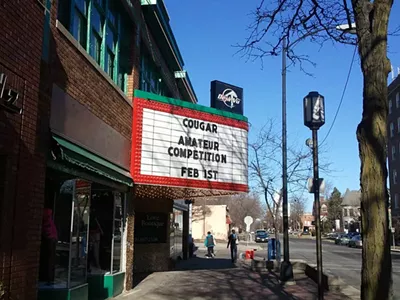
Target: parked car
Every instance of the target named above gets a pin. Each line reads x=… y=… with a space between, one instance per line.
x=338 y=238
x=356 y=241
x=344 y=240
x=261 y=236
x=333 y=235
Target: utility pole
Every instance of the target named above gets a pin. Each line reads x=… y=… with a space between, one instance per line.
x=318 y=214
x=286 y=267
x=314 y=118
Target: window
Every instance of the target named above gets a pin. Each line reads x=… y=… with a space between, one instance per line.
x=150 y=79
x=391 y=130
x=397 y=100
x=64 y=244
x=351 y=212
x=394 y=177
x=398 y=125
x=79 y=24
x=345 y=212
x=119 y=221
x=101 y=27
x=396 y=201
x=96 y=34
x=393 y=152
x=390 y=106
x=111 y=42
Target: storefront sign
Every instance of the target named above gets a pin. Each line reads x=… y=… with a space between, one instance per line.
x=8 y=97
x=187 y=145
x=226 y=97
x=150 y=228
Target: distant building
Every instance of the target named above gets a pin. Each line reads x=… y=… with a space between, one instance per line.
x=351 y=210
x=214 y=218
x=394 y=144
x=323 y=209
x=307 y=220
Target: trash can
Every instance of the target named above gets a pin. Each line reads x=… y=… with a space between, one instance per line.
x=274 y=249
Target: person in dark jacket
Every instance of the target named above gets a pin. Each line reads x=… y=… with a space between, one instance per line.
x=233 y=241
x=209 y=242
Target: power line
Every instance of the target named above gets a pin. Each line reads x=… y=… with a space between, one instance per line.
x=341 y=99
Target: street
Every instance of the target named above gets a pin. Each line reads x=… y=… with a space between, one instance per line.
x=342 y=261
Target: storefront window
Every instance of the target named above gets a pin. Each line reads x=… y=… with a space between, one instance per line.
x=119 y=221
x=63 y=247
x=176 y=233
x=80 y=232
x=171 y=235
x=83 y=229
x=106 y=231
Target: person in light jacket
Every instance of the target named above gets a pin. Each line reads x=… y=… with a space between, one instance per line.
x=209 y=242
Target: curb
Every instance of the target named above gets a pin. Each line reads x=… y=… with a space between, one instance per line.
x=330 y=281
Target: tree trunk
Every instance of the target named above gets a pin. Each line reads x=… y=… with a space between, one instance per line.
x=376 y=275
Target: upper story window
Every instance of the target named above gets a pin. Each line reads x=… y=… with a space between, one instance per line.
x=351 y=212
x=391 y=130
x=394 y=177
x=393 y=152
x=397 y=100
x=398 y=125
x=345 y=212
x=396 y=201
x=150 y=78
x=390 y=106
x=79 y=22
x=102 y=28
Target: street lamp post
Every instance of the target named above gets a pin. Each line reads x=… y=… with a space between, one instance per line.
x=286 y=273
x=314 y=118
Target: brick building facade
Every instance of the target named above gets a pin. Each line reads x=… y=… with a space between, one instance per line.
x=22 y=147
x=76 y=70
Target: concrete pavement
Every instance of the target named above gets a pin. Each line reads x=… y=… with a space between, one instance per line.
x=202 y=279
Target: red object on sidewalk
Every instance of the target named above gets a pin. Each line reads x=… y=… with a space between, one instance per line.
x=249 y=254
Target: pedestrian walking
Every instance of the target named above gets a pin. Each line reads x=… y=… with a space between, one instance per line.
x=210 y=243
x=233 y=241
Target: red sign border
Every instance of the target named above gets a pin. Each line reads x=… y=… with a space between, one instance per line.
x=136 y=157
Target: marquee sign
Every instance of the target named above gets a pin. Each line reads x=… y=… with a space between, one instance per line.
x=176 y=143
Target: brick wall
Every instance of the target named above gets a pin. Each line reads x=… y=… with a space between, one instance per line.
x=73 y=72
x=22 y=148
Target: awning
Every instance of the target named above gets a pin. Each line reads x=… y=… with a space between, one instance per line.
x=75 y=155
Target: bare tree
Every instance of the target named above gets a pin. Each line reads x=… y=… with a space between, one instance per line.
x=297 y=208
x=266 y=169
x=328 y=189
x=317 y=21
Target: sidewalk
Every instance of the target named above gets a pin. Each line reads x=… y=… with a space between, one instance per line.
x=203 y=279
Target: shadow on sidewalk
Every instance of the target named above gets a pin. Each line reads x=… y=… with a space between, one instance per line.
x=218 y=278
x=204 y=263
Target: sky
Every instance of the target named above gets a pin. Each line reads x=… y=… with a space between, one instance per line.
x=206 y=34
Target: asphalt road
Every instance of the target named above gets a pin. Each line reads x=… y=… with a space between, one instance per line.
x=342 y=261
